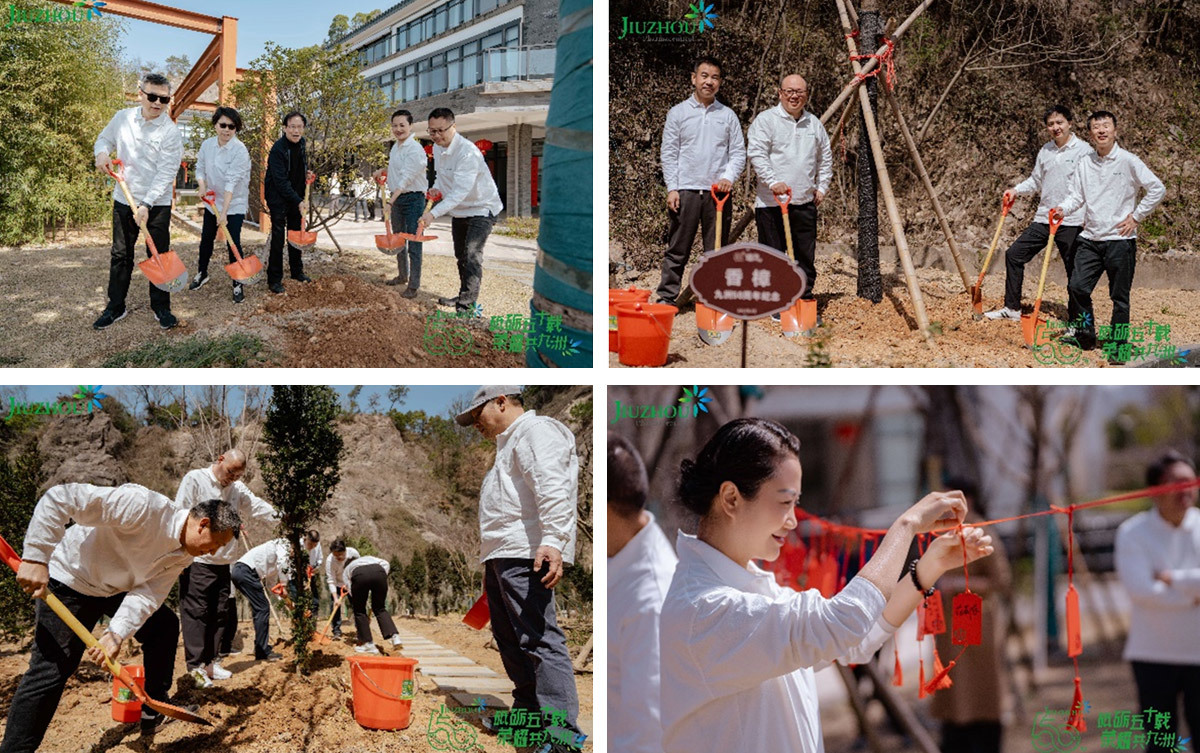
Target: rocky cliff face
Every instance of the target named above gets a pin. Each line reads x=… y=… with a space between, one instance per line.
x=81 y=449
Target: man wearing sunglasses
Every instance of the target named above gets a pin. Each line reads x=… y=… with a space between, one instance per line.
x=287 y=166
x=148 y=143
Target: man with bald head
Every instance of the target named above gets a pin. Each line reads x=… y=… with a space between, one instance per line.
x=789 y=151
x=205 y=589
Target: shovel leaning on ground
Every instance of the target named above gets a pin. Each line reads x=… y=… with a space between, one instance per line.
x=165 y=271
x=801 y=318
x=247 y=269
x=12 y=560
x=977 y=291
x=1029 y=323
x=432 y=197
x=322 y=637
x=391 y=243
x=302 y=238
x=713 y=328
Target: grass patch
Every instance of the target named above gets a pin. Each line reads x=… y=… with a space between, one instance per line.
x=198 y=351
x=520 y=227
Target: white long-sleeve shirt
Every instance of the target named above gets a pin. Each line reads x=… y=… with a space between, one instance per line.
x=790 y=150
x=270 y=559
x=638 y=578
x=408 y=167
x=739 y=653
x=529 y=497
x=361 y=562
x=200 y=485
x=1051 y=178
x=314 y=556
x=464 y=180
x=225 y=169
x=335 y=570
x=126 y=539
x=1107 y=188
x=151 y=151
x=1164 y=624
x=701 y=145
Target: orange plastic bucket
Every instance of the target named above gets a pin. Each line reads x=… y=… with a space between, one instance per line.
x=1034 y=335
x=800 y=318
x=644 y=333
x=621 y=295
x=713 y=327
x=383 y=688
x=479 y=614
x=125 y=705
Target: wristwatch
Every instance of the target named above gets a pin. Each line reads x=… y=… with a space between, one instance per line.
x=912 y=570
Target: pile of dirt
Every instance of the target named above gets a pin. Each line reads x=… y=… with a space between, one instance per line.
x=265 y=707
x=860 y=333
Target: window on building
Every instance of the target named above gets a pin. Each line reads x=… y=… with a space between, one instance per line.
x=439 y=19
x=410 y=82
x=510 y=36
x=454 y=69
x=486 y=6
x=400 y=38
x=494 y=39
x=456 y=14
x=427 y=26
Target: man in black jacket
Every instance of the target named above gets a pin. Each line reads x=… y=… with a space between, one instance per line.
x=287 y=166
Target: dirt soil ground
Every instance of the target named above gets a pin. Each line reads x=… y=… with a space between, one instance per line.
x=264 y=707
x=348 y=318
x=860 y=333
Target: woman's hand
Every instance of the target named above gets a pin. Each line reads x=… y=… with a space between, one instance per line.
x=937 y=510
x=946 y=552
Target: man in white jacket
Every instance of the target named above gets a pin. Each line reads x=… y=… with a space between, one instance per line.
x=527 y=520
x=268 y=561
x=119 y=560
x=205 y=588
x=789 y=150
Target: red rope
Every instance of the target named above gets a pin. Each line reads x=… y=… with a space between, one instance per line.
x=886 y=59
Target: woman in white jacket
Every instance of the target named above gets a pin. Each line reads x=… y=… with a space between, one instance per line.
x=739 y=651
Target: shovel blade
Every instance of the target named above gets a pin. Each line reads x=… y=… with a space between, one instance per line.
x=165 y=272
x=1032 y=330
x=9 y=555
x=302 y=239
x=175 y=712
x=247 y=271
x=390 y=244
x=977 y=301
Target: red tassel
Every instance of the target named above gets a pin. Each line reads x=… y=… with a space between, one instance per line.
x=941 y=675
x=898 y=672
x=1076 y=718
x=921 y=691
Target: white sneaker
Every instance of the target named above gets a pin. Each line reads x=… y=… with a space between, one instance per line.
x=366 y=648
x=396 y=641
x=217 y=672
x=200 y=679
x=1004 y=313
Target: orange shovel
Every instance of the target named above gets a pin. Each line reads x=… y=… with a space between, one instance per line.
x=977 y=291
x=391 y=243
x=713 y=327
x=323 y=636
x=302 y=239
x=165 y=271
x=1030 y=323
x=12 y=560
x=801 y=318
x=432 y=197
x=247 y=269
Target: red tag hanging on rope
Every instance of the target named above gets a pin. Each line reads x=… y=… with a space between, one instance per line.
x=935 y=615
x=1074 y=639
x=967 y=620
x=897 y=671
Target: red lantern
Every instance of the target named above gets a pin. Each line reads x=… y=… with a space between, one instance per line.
x=483 y=145
x=429 y=150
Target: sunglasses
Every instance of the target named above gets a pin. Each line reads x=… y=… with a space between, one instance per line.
x=228 y=126
x=164 y=98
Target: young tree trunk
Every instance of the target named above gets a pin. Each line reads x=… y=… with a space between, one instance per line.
x=870 y=284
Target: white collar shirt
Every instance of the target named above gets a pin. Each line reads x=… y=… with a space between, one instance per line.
x=151 y=151
x=638 y=578
x=796 y=151
x=408 y=166
x=1107 y=188
x=225 y=169
x=1164 y=623
x=126 y=539
x=464 y=180
x=314 y=556
x=529 y=497
x=335 y=570
x=200 y=485
x=739 y=653
x=701 y=145
x=270 y=559
x=1051 y=178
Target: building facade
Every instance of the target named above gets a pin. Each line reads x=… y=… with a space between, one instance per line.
x=490 y=61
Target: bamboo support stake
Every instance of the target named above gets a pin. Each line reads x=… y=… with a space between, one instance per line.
x=885 y=186
x=925 y=181
x=870 y=66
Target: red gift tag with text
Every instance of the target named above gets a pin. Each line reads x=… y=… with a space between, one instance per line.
x=921 y=620
x=967 y=626
x=935 y=615
x=1074 y=638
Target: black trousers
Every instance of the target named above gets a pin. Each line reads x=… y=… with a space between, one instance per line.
x=120 y=264
x=282 y=220
x=803 y=220
x=208 y=235
x=56 y=655
x=469 y=235
x=370 y=581
x=1159 y=687
x=1029 y=245
x=204 y=592
x=697 y=210
x=251 y=586
x=229 y=620
x=1092 y=259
